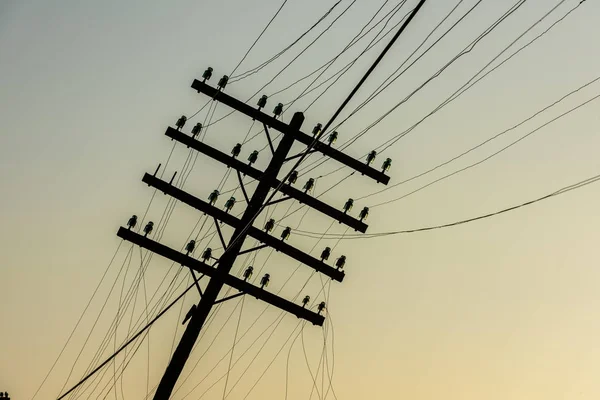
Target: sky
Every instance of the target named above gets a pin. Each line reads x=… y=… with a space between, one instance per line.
x=500 y=308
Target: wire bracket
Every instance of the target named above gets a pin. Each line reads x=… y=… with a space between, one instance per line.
x=224 y=299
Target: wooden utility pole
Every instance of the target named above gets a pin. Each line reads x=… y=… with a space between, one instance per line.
x=268 y=180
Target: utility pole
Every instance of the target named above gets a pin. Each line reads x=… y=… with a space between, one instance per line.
x=268 y=180
x=244 y=227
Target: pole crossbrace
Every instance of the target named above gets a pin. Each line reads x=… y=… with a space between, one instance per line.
x=233 y=296
x=269 y=139
x=278 y=201
x=242 y=186
x=220 y=234
x=304 y=153
x=262 y=246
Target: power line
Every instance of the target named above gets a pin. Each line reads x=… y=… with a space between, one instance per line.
x=256 y=69
x=388 y=16
x=294 y=59
x=484 y=142
x=471 y=82
x=79 y=320
x=559 y=192
x=465 y=51
x=129 y=341
x=259 y=36
x=493 y=154
x=385 y=85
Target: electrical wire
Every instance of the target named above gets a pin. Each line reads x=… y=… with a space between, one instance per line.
x=559 y=192
x=96 y=321
x=108 y=360
x=388 y=16
x=493 y=154
x=79 y=320
x=332 y=118
x=259 y=36
x=282 y=314
x=383 y=86
x=484 y=142
x=294 y=59
x=237 y=328
x=273 y=360
x=352 y=41
x=256 y=69
x=314 y=379
x=463 y=52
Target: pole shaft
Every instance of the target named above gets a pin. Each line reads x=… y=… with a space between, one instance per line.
x=194 y=326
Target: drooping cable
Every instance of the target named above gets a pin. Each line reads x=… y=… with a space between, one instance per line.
x=256 y=69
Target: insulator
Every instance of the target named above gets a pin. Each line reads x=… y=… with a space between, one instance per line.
x=269 y=225
x=321 y=307
x=286 y=233
x=293 y=177
x=309 y=185
x=207 y=74
x=386 y=164
x=253 y=157
x=278 y=109
x=248 y=273
x=213 y=196
x=148 y=228
x=326 y=253
x=317 y=129
x=332 y=137
x=340 y=262
x=229 y=204
x=132 y=222
x=305 y=300
x=223 y=82
x=196 y=129
x=207 y=254
x=364 y=213
x=264 y=281
x=181 y=122
x=190 y=246
x=371 y=157
x=236 y=150
x=348 y=205
x=262 y=102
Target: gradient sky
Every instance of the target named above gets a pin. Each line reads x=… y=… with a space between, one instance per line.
x=504 y=308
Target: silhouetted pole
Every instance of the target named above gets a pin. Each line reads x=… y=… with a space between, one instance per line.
x=185 y=346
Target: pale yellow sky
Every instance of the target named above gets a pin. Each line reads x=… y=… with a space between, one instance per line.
x=504 y=308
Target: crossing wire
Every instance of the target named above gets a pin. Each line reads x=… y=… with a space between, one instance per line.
x=364 y=78
x=484 y=142
x=388 y=16
x=492 y=155
x=384 y=86
x=559 y=192
x=259 y=36
x=294 y=59
x=469 y=84
x=256 y=69
x=171 y=209
x=332 y=119
x=79 y=320
x=169 y=212
x=281 y=315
